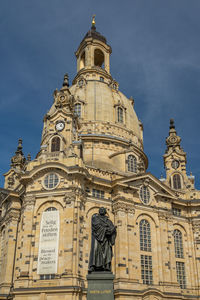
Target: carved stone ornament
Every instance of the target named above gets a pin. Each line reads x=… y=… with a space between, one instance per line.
x=63 y=99
x=141 y=166
x=173 y=139
x=114 y=85
x=28 y=201
x=18 y=160
x=13 y=215
x=81 y=82
x=69 y=197
x=164 y=216
x=146 y=182
x=11 y=180
x=122 y=206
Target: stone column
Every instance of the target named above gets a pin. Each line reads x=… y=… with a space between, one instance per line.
x=26 y=237
x=9 y=223
x=121 y=214
x=107 y=62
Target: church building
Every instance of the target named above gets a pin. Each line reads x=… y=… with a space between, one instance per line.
x=91 y=156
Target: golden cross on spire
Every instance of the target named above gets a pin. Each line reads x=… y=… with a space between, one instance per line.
x=93 y=20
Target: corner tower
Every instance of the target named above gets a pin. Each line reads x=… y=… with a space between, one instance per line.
x=175 y=163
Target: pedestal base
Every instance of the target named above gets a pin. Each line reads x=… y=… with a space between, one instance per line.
x=100 y=286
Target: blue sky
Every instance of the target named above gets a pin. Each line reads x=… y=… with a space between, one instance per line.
x=155 y=59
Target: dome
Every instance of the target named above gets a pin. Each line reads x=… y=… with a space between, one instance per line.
x=101 y=103
x=105 y=127
x=110 y=131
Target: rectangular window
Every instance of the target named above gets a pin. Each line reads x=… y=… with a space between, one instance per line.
x=47 y=276
x=176 y=211
x=146 y=269
x=98 y=193
x=180 y=271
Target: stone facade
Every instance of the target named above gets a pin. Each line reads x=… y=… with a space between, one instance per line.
x=91 y=155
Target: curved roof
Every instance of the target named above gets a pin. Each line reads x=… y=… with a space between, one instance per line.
x=101 y=102
x=95 y=35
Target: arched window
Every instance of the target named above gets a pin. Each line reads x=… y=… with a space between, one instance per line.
x=77 y=109
x=178 y=243
x=145 y=258
x=55 y=144
x=98 y=58
x=120 y=118
x=82 y=60
x=176 y=181
x=51 y=209
x=132 y=163
x=145 y=236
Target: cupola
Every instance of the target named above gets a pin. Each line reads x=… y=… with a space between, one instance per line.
x=93 y=53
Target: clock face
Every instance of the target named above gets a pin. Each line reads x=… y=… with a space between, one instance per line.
x=175 y=164
x=60 y=126
x=173 y=139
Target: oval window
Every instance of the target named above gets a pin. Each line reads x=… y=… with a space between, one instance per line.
x=144 y=194
x=51 y=181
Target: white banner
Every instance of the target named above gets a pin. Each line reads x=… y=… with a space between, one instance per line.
x=49 y=239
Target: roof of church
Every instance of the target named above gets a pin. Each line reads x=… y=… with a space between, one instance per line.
x=95 y=35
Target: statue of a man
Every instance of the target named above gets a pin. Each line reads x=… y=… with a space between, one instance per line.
x=103 y=238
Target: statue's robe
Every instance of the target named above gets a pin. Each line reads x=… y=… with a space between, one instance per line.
x=103 y=238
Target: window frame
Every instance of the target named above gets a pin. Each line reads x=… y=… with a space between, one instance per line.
x=178 y=243
x=100 y=194
x=144 y=191
x=78 y=112
x=181 y=274
x=53 y=179
x=176 y=181
x=56 y=145
x=145 y=235
x=132 y=163
x=146 y=269
x=120 y=115
x=176 y=211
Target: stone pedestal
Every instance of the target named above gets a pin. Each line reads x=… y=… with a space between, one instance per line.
x=100 y=286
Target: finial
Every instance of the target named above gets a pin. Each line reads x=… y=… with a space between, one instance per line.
x=172 y=126
x=93 y=22
x=28 y=157
x=19 y=148
x=18 y=160
x=66 y=80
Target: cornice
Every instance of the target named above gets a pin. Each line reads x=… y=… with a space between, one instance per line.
x=52 y=166
x=89 y=70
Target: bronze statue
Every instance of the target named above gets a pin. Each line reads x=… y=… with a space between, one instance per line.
x=103 y=238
